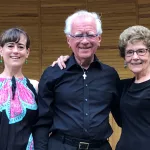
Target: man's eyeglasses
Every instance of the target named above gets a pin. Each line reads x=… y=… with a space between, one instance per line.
x=139 y=52
x=82 y=36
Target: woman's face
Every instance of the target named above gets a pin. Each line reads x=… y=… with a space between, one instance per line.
x=15 y=54
x=139 y=60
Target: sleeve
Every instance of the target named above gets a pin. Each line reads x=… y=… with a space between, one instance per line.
x=45 y=112
x=115 y=105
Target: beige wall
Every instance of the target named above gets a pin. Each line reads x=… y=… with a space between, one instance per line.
x=44 y=22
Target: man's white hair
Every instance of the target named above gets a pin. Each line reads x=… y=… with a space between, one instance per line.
x=69 y=21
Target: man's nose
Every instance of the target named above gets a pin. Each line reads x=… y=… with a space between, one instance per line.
x=85 y=39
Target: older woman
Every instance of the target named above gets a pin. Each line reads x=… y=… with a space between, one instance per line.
x=134 y=46
x=18 y=108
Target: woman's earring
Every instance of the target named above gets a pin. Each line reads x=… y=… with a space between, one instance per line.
x=26 y=61
x=125 y=64
x=1 y=60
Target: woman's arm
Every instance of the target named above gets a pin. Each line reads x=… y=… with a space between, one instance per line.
x=61 y=61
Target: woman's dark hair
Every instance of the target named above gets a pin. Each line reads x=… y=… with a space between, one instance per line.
x=13 y=35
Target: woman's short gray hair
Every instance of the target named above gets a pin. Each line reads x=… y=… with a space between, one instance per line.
x=70 y=19
x=133 y=34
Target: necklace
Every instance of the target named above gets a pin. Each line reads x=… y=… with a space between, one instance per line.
x=84 y=75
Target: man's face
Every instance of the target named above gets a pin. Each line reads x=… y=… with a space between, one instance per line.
x=85 y=47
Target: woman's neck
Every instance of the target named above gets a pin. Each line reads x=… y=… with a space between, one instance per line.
x=144 y=76
x=12 y=72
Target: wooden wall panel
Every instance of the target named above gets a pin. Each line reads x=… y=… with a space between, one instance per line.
x=44 y=22
x=144 y=12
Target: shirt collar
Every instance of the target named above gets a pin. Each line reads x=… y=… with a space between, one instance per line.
x=72 y=62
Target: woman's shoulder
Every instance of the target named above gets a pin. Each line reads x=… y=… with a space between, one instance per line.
x=126 y=83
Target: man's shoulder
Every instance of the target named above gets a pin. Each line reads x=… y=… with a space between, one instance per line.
x=106 y=67
x=55 y=69
x=52 y=72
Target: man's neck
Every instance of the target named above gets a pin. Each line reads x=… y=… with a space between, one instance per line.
x=85 y=63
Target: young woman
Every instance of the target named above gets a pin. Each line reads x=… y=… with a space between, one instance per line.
x=18 y=94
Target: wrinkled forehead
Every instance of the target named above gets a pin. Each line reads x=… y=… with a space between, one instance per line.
x=84 y=23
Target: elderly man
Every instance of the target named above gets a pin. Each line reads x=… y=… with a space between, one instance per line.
x=74 y=103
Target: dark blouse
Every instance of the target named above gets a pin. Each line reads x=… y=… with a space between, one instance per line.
x=17 y=115
x=135 y=112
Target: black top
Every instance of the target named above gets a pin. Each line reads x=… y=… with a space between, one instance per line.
x=75 y=106
x=135 y=110
x=18 y=112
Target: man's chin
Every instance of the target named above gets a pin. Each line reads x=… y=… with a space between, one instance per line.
x=85 y=56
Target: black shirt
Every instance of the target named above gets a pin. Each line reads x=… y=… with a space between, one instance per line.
x=75 y=106
x=135 y=110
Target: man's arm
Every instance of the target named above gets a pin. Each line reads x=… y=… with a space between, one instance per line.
x=115 y=105
x=45 y=112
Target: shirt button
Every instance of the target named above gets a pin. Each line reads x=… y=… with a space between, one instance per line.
x=85 y=130
x=86 y=114
x=86 y=100
x=86 y=85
